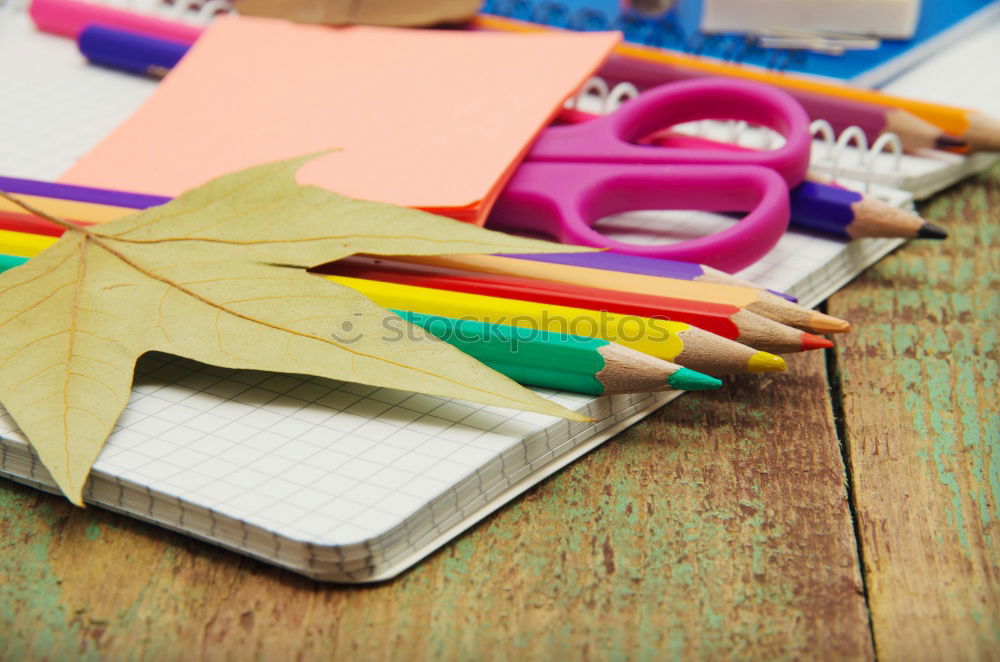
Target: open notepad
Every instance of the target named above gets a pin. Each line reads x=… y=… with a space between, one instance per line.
x=337 y=481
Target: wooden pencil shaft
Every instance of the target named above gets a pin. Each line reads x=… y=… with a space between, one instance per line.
x=724 y=320
x=638 y=264
x=529 y=356
x=705 y=290
x=671 y=341
x=590 y=277
x=823 y=206
x=540 y=358
x=645 y=67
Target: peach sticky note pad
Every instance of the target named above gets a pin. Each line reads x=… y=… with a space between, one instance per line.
x=428 y=119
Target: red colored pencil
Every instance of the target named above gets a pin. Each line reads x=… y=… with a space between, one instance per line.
x=724 y=320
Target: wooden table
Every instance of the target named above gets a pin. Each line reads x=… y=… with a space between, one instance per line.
x=847 y=509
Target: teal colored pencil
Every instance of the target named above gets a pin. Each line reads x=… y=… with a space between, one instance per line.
x=546 y=358
x=10 y=261
x=561 y=361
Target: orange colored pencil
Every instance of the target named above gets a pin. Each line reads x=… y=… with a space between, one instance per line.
x=645 y=64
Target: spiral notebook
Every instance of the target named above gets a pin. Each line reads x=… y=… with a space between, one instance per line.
x=337 y=481
x=940 y=24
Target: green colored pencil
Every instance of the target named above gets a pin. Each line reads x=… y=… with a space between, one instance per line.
x=11 y=261
x=546 y=358
x=561 y=361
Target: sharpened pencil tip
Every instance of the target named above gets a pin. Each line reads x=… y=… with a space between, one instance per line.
x=765 y=362
x=686 y=379
x=823 y=323
x=810 y=341
x=931 y=231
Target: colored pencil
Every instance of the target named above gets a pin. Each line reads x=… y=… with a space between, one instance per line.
x=111 y=203
x=671 y=341
x=15 y=218
x=727 y=321
x=83 y=213
x=545 y=358
x=68 y=17
x=918 y=124
x=130 y=51
x=564 y=271
x=559 y=360
x=753 y=299
x=841 y=105
x=914 y=132
x=850 y=214
x=21 y=245
x=750 y=298
x=821 y=206
x=645 y=66
x=11 y=261
x=85 y=205
x=818 y=204
x=662 y=268
x=102 y=196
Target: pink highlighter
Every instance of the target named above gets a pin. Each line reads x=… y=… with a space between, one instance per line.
x=69 y=17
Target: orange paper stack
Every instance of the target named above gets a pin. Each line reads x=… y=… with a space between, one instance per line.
x=435 y=120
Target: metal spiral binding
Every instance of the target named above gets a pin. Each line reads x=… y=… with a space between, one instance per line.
x=833 y=152
x=660 y=30
x=835 y=149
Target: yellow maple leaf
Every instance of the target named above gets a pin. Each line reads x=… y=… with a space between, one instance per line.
x=218 y=275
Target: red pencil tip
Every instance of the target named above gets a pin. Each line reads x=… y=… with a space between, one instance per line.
x=809 y=341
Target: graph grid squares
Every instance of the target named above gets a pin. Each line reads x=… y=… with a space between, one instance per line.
x=331 y=478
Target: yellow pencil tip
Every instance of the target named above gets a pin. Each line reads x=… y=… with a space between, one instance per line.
x=765 y=362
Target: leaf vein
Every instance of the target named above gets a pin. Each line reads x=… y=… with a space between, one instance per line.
x=98 y=240
x=30 y=344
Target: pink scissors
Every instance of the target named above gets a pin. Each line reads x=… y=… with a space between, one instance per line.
x=574 y=175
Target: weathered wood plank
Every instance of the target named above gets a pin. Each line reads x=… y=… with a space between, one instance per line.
x=718 y=528
x=919 y=377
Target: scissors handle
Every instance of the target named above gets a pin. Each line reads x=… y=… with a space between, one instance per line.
x=611 y=138
x=564 y=201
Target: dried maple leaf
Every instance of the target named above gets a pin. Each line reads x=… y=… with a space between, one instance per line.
x=218 y=275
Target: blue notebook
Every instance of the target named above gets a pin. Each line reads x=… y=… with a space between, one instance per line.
x=941 y=22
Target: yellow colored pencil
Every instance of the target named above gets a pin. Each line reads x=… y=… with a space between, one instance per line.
x=671 y=341
x=681 y=343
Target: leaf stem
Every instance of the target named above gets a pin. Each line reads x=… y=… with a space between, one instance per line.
x=67 y=225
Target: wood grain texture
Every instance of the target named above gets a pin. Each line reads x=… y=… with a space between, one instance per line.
x=717 y=528
x=919 y=378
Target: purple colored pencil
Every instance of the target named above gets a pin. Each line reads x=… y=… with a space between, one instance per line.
x=97 y=196
x=646 y=266
x=850 y=215
x=608 y=261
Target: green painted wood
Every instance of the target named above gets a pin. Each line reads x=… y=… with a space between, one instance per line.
x=922 y=421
